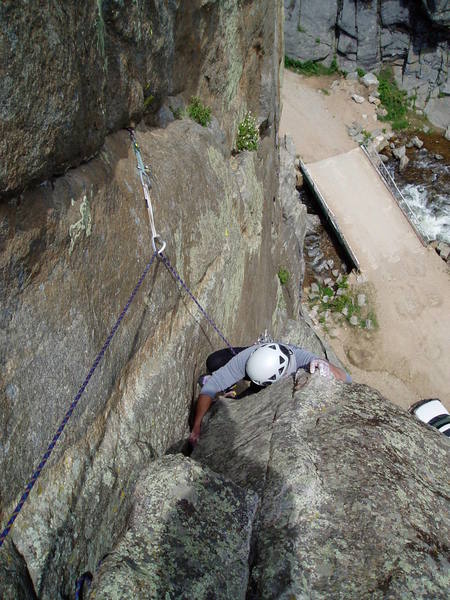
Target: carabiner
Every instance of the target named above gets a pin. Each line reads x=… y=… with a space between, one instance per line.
x=163 y=246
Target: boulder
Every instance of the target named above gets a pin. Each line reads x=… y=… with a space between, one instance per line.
x=399 y=152
x=416 y=142
x=447 y=133
x=443 y=250
x=370 y=80
x=403 y=163
x=347 y=483
x=358 y=99
x=352 y=76
x=354 y=320
x=188 y=527
x=438 y=110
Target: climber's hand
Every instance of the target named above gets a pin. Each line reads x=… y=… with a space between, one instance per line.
x=195 y=434
x=317 y=364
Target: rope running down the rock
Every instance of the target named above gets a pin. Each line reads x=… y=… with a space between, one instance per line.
x=164 y=259
x=146 y=186
x=72 y=407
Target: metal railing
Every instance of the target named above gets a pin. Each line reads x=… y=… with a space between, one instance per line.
x=389 y=181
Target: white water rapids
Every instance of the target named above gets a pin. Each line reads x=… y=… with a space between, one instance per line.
x=429 y=195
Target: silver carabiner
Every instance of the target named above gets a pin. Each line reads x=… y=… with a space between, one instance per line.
x=163 y=246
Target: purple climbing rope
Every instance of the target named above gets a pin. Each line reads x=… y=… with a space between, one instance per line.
x=72 y=407
x=79 y=587
x=175 y=274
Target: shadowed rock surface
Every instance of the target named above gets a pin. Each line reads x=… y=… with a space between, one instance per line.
x=354 y=491
x=188 y=537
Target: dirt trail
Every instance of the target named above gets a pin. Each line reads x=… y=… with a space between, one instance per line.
x=407 y=358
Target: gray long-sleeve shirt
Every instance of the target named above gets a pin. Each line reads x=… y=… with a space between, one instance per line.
x=234 y=370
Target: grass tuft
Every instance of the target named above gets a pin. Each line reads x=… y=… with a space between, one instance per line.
x=310 y=68
x=199 y=112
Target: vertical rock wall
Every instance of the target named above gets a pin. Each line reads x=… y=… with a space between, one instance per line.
x=72 y=248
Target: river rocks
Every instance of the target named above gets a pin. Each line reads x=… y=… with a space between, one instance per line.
x=188 y=526
x=358 y=99
x=311 y=454
x=399 y=152
x=404 y=160
x=443 y=250
x=416 y=142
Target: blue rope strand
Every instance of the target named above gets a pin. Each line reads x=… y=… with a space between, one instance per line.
x=72 y=407
x=175 y=274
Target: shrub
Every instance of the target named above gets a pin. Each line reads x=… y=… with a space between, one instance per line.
x=283 y=275
x=198 y=112
x=310 y=67
x=248 y=134
x=360 y=72
x=394 y=100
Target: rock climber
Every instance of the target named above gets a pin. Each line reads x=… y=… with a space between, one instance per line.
x=261 y=364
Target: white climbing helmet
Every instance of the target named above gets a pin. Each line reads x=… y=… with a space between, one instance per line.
x=268 y=363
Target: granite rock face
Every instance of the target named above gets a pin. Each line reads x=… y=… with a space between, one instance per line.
x=188 y=536
x=71 y=74
x=354 y=492
x=73 y=247
x=412 y=36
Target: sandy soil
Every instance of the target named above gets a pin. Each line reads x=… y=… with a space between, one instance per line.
x=407 y=358
x=316 y=111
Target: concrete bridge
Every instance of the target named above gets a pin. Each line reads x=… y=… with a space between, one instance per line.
x=408 y=358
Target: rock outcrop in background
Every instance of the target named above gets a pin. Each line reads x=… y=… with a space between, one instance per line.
x=73 y=246
x=411 y=35
x=325 y=492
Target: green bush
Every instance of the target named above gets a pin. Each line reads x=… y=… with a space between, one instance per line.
x=310 y=67
x=283 y=275
x=394 y=100
x=198 y=112
x=360 y=72
x=248 y=134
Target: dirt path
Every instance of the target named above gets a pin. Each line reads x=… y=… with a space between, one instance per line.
x=407 y=358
